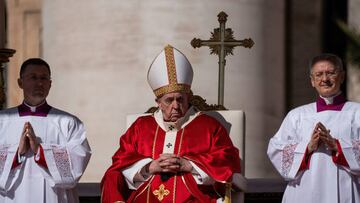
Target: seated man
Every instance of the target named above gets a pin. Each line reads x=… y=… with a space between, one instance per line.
x=43 y=150
x=177 y=154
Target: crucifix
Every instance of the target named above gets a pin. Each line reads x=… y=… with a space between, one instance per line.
x=168 y=145
x=222 y=43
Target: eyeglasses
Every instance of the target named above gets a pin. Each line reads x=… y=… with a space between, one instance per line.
x=327 y=74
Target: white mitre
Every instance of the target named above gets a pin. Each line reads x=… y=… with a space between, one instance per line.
x=170 y=71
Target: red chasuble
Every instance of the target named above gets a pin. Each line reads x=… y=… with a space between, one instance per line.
x=204 y=141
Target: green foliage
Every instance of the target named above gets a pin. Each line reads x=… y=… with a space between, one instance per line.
x=353 y=46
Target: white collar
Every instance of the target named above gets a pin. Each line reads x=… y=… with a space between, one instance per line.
x=330 y=100
x=175 y=126
x=33 y=108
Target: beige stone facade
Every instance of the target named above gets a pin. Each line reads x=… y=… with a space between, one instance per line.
x=24 y=29
x=100 y=51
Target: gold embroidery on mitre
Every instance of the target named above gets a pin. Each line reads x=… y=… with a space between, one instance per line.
x=172 y=88
x=161 y=192
x=170 y=64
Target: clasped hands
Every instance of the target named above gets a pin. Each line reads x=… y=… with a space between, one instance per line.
x=321 y=135
x=28 y=140
x=169 y=163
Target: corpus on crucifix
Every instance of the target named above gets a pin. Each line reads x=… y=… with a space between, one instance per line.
x=222 y=43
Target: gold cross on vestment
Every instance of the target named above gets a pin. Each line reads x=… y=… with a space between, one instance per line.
x=222 y=43
x=161 y=192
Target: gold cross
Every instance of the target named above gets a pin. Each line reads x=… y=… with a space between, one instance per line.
x=222 y=43
x=161 y=192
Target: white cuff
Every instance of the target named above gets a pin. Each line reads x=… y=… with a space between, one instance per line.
x=132 y=173
x=200 y=176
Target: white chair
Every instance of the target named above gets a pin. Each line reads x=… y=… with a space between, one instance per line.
x=234 y=122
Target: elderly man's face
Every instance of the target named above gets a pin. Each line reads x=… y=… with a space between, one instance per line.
x=36 y=83
x=326 y=78
x=173 y=105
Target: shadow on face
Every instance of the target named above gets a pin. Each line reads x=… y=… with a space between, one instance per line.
x=173 y=105
x=36 y=83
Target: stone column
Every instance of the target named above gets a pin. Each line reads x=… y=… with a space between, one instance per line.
x=2 y=24
x=5 y=54
x=100 y=52
x=303 y=41
x=353 y=74
x=24 y=35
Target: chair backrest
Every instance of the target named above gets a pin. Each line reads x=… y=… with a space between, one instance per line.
x=232 y=120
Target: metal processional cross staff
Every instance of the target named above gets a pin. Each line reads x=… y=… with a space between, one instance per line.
x=222 y=43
